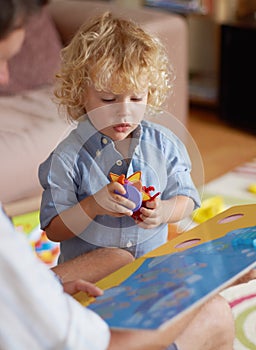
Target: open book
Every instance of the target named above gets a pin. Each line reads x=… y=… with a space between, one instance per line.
x=164 y=284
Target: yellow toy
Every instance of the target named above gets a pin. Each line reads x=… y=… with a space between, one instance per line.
x=252 y=188
x=209 y=208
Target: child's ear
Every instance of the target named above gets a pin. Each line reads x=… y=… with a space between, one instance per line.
x=84 y=103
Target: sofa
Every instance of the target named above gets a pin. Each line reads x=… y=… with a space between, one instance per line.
x=31 y=124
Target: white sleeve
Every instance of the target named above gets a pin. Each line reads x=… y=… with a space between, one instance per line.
x=35 y=312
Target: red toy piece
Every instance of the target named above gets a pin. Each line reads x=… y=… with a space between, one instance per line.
x=135 y=181
x=147 y=190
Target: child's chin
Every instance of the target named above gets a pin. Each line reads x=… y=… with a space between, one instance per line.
x=120 y=136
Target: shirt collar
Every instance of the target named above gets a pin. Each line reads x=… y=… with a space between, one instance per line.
x=94 y=140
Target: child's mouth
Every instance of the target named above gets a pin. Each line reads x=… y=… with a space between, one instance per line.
x=122 y=127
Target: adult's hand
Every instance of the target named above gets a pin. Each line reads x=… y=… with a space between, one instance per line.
x=80 y=285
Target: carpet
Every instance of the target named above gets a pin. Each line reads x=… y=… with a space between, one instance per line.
x=242 y=300
x=236 y=187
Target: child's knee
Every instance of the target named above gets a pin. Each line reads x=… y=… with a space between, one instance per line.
x=117 y=255
x=124 y=255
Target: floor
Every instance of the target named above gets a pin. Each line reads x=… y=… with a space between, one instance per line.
x=222 y=147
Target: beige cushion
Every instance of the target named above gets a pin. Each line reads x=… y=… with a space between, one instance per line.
x=29 y=130
x=29 y=123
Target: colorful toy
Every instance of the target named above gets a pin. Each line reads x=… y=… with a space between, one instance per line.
x=135 y=191
x=45 y=250
x=209 y=208
x=26 y=223
x=252 y=188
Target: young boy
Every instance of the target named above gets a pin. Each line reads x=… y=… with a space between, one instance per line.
x=113 y=74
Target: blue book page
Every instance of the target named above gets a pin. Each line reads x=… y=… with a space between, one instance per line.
x=163 y=287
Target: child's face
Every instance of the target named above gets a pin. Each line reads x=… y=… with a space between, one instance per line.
x=8 y=48
x=119 y=115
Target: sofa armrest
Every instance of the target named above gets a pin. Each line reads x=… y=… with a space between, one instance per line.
x=170 y=28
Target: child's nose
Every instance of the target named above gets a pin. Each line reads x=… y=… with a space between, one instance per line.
x=123 y=108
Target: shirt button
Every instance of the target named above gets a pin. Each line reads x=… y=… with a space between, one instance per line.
x=104 y=140
x=119 y=162
x=98 y=152
x=129 y=244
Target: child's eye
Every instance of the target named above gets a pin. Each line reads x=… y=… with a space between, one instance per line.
x=106 y=100
x=136 y=99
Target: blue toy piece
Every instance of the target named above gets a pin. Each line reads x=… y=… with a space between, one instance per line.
x=248 y=239
x=133 y=194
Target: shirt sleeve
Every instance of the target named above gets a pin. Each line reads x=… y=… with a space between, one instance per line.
x=179 y=180
x=58 y=180
x=35 y=312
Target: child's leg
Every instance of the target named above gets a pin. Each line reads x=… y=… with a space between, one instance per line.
x=94 y=265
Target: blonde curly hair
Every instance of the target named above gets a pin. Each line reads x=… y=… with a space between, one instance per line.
x=115 y=55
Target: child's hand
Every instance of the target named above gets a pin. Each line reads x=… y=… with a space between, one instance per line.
x=108 y=202
x=160 y=211
x=151 y=216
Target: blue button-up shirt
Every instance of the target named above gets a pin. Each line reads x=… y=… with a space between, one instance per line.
x=80 y=167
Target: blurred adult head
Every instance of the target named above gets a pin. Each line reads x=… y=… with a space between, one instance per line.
x=13 y=16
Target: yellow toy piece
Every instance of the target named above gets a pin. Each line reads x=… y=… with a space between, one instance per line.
x=252 y=188
x=121 y=178
x=134 y=179
x=26 y=222
x=209 y=208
